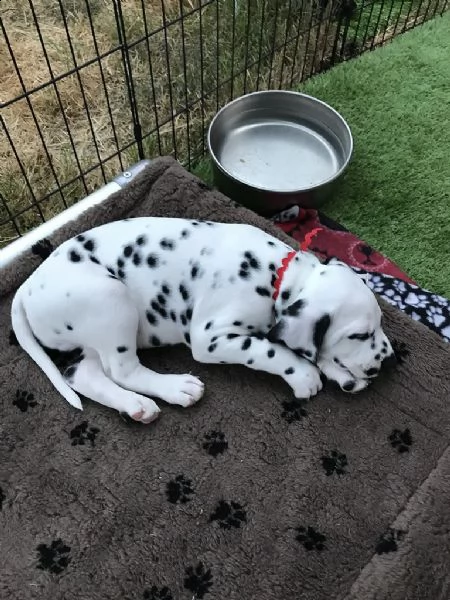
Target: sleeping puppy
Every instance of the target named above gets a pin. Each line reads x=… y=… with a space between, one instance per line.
x=230 y=292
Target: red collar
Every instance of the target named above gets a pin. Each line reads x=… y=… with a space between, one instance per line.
x=287 y=259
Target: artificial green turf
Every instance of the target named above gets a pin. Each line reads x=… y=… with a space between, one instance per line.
x=396 y=192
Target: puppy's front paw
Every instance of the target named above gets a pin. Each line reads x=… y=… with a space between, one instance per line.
x=143 y=409
x=304 y=379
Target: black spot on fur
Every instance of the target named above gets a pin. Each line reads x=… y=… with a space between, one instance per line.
x=294 y=309
x=183 y=320
x=320 y=329
x=74 y=256
x=244 y=274
x=161 y=299
x=185 y=234
x=110 y=270
x=272 y=267
x=120 y=263
x=121 y=349
x=212 y=347
x=94 y=260
x=184 y=292
x=89 y=246
x=121 y=274
x=173 y=316
x=151 y=318
x=271 y=243
x=194 y=271
x=244 y=265
x=137 y=259
x=189 y=314
x=289 y=371
x=69 y=327
x=167 y=244
x=237 y=323
x=141 y=240
x=153 y=261
x=250 y=361
x=252 y=260
x=155 y=341
x=271 y=353
x=159 y=309
x=231 y=336
x=208 y=325
x=187 y=337
x=165 y=289
x=285 y=295
x=246 y=343
x=262 y=291
x=80 y=238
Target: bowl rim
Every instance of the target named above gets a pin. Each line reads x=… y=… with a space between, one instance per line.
x=275 y=191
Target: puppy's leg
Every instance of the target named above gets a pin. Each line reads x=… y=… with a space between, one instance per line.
x=257 y=352
x=88 y=378
x=114 y=338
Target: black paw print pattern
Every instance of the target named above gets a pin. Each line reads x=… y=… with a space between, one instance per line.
x=198 y=580
x=229 y=514
x=155 y=593
x=334 y=462
x=82 y=433
x=388 y=541
x=401 y=440
x=54 y=558
x=294 y=410
x=24 y=400
x=311 y=539
x=215 y=443
x=401 y=351
x=179 y=490
x=43 y=248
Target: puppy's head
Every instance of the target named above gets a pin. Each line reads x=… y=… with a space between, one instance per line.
x=336 y=323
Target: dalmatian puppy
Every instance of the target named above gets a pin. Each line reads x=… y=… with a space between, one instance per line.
x=230 y=292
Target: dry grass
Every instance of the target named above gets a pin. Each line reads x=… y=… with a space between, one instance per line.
x=85 y=118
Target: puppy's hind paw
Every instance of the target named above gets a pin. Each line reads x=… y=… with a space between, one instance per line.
x=184 y=390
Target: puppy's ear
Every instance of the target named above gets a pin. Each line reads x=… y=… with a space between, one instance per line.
x=303 y=328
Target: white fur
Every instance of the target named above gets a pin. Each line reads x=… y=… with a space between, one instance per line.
x=208 y=285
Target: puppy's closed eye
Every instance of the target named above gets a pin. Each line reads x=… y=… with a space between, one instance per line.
x=362 y=337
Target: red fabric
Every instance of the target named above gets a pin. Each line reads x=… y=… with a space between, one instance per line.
x=329 y=242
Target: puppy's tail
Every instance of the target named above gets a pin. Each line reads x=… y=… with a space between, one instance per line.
x=26 y=339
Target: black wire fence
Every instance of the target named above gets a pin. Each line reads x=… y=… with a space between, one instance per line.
x=89 y=87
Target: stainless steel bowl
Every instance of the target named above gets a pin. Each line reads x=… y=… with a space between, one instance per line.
x=272 y=149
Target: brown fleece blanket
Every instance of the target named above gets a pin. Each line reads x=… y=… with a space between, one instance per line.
x=248 y=495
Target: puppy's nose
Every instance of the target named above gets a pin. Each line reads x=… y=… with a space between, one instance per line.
x=389 y=362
